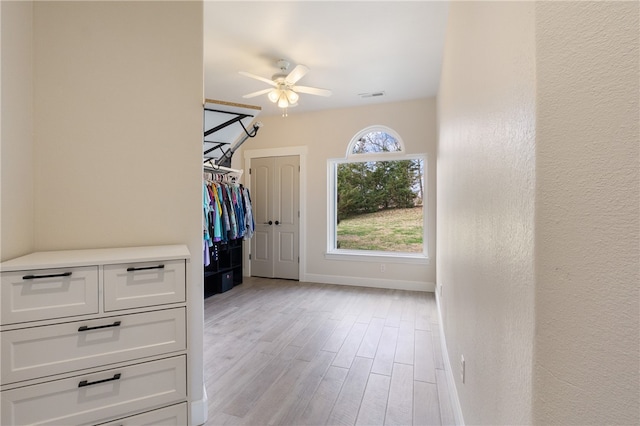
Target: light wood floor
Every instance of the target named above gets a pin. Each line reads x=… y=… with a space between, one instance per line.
x=288 y=353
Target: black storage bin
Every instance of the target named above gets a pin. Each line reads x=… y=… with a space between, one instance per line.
x=226 y=281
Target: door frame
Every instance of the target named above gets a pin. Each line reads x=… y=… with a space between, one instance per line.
x=301 y=152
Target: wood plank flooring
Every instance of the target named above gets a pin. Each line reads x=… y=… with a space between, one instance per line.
x=281 y=352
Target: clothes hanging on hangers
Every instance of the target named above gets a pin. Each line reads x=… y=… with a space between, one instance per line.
x=227 y=212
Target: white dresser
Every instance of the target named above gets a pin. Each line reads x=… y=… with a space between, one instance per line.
x=93 y=337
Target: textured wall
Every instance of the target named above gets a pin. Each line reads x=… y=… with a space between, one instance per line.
x=587 y=216
x=16 y=122
x=485 y=221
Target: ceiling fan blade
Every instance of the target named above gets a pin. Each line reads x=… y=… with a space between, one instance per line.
x=258 y=93
x=257 y=77
x=312 y=90
x=295 y=75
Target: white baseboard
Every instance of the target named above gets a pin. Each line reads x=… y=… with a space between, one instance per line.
x=371 y=282
x=451 y=383
x=199 y=410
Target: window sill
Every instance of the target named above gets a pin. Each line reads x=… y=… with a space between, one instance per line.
x=377 y=256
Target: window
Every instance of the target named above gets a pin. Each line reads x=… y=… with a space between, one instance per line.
x=376 y=199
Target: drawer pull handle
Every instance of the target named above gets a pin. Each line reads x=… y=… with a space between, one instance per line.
x=86 y=383
x=35 y=277
x=145 y=268
x=85 y=328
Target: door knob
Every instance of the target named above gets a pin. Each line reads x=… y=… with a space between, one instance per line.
x=270 y=223
x=277 y=223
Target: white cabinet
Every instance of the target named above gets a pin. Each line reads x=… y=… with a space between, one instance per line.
x=94 y=337
x=40 y=351
x=134 y=285
x=31 y=295
x=174 y=415
x=90 y=397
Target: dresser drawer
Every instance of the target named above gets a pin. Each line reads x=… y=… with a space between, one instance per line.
x=43 y=351
x=143 y=284
x=175 y=415
x=48 y=293
x=98 y=397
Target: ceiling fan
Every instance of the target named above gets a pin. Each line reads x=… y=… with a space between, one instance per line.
x=284 y=90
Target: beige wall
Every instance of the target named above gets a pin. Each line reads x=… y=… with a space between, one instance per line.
x=118 y=91
x=587 y=214
x=486 y=165
x=326 y=135
x=116 y=160
x=539 y=272
x=16 y=135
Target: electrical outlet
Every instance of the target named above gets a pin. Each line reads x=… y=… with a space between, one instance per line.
x=462 y=368
x=383 y=267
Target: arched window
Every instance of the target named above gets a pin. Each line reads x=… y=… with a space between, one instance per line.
x=375 y=139
x=376 y=198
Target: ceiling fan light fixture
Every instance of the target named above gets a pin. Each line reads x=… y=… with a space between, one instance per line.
x=274 y=95
x=292 y=96
x=282 y=101
x=284 y=91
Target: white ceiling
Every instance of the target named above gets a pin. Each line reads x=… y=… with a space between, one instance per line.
x=350 y=48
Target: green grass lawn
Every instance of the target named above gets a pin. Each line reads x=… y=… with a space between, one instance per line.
x=397 y=230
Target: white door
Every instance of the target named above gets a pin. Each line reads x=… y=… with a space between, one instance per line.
x=275 y=185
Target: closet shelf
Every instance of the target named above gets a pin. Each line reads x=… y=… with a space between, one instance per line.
x=219 y=271
x=214 y=168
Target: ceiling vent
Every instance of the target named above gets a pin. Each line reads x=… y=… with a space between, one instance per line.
x=371 y=94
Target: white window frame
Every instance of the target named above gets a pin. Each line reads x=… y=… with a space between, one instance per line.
x=334 y=253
